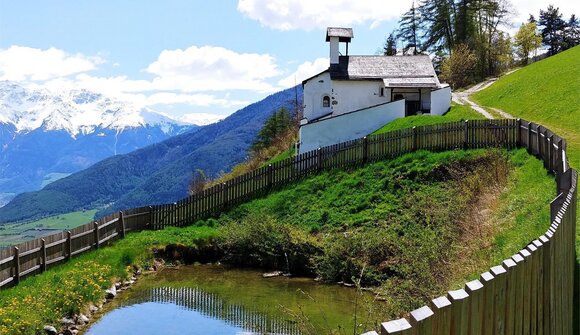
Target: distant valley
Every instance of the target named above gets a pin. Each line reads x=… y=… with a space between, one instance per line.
x=45 y=136
x=158 y=173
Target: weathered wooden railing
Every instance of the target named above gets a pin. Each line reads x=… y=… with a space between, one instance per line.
x=548 y=259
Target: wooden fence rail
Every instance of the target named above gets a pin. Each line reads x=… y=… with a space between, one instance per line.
x=543 y=302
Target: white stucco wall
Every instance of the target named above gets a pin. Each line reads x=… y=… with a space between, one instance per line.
x=348 y=126
x=314 y=90
x=440 y=100
x=351 y=95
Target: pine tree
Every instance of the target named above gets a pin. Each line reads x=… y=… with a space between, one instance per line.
x=409 y=26
x=274 y=127
x=571 y=33
x=437 y=18
x=390 y=47
x=553 y=29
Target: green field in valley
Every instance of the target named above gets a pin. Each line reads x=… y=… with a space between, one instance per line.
x=14 y=233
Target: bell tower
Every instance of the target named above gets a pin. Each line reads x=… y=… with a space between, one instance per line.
x=336 y=36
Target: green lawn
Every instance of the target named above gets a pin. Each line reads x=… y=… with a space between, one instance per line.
x=14 y=233
x=547 y=92
x=456 y=113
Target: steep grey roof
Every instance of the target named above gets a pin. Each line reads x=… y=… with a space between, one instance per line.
x=343 y=34
x=395 y=71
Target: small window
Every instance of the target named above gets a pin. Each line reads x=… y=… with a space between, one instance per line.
x=381 y=92
x=325 y=101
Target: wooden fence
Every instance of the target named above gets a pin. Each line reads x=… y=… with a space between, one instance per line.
x=544 y=300
x=532 y=291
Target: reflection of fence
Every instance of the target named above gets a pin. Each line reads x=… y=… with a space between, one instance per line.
x=547 y=263
x=213 y=306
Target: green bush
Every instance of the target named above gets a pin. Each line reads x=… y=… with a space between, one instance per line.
x=259 y=240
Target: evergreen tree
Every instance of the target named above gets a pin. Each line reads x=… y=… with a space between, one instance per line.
x=532 y=19
x=571 y=33
x=527 y=39
x=553 y=29
x=409 y=30
x=274 y=127
x=464 y=22
x=437 y=18
x=390 y=47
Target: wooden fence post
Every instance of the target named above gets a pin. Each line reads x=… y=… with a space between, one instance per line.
x=68 y=245
x=43 y=255
x=121 y=224
x=16 y=265
x=270 y=176
x=519 y=133
x=529 y=144
x=319 y=159
x=414 y=130
x=466 y=134
x=96 y=234
x=560 y=157
x=365 y=155
x=548 y=159
x=151 y=217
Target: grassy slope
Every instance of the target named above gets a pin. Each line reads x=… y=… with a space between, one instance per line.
x=331 y=203
x=456 y=113
x=546 y=92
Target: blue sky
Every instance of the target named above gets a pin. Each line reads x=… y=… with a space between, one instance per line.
x=186 y=57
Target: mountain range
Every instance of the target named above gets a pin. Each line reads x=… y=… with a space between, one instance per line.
x=158 y=173
x=47 y=135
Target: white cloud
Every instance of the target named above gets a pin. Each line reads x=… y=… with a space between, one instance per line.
x=210 y=68
x=201 y=119
x=309 y=14
x=305 y=71
x=526 y=7
x=170 y=98
x=24 y=63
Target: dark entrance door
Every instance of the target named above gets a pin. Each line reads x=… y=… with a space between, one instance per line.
x=412 y=107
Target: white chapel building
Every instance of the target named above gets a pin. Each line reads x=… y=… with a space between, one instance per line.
x=357 y=95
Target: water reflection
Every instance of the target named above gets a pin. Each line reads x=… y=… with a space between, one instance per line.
x=169 y=310
x=210 y=299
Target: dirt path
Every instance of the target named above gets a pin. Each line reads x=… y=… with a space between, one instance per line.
x=462 y=98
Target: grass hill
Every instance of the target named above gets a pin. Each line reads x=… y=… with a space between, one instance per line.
x=403 y=225
x=159 y=173
x=547 y=92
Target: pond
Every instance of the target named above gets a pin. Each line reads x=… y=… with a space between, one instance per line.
x=213 y=299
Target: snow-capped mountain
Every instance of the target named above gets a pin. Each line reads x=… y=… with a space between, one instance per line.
x=76 y=111
x=46 y=135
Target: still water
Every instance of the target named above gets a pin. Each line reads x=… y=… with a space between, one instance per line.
x=211 y=299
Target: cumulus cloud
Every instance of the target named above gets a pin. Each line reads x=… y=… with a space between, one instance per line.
x=211 y=68
x=170 y=98
x=523 y=9
x=308 y=14
x=305 y=71
x=25 y=63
